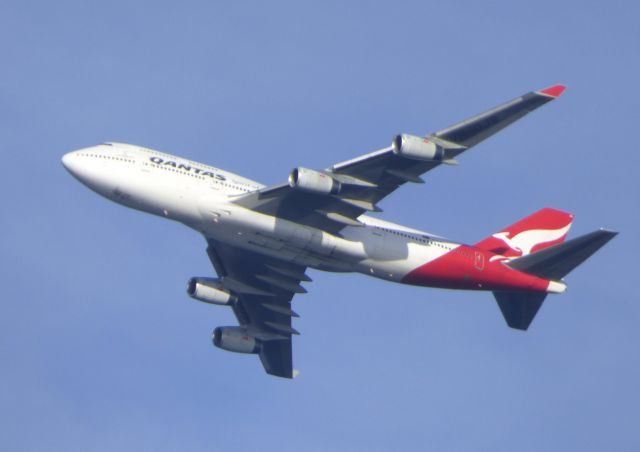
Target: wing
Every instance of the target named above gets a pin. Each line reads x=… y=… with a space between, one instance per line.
x=367 y=179
x=264 y=289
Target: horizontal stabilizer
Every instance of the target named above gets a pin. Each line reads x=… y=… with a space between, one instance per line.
x=557 y=261
x=519 y=308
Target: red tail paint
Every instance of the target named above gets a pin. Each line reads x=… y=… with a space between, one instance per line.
x=540 y=230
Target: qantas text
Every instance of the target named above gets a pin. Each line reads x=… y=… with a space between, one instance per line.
x=159 y=161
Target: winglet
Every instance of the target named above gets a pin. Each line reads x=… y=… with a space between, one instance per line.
x=553 y=91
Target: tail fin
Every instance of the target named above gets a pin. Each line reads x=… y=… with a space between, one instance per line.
x=519 y=308
x=554 y=263
x=538 y=231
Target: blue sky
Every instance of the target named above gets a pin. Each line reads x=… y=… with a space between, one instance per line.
x=101 y=348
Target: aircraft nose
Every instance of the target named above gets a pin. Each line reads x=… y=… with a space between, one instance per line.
x=67 y=161
x=70 y=162
x=87 y=165
x=78 y=164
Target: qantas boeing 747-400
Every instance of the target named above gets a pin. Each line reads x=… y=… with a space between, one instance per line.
x=261 y=239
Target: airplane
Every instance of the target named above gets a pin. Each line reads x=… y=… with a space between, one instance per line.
x=261 y=239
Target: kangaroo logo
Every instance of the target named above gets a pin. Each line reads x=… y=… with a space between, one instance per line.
x=525 y=241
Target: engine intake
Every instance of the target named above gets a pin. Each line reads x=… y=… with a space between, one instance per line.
x=235 y=339
x=209 y=290
x=417 y=148
x=313 y=181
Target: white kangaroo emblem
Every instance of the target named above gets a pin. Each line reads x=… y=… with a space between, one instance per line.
x=526 y=240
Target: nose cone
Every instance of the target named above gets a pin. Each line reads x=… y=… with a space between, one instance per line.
x=70 y=162
x=97 y=168
x=85 y=166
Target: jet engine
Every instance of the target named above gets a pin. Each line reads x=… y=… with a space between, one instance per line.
x=209 y=290
x=313 y=181
x=235 y=339
x=417 y=148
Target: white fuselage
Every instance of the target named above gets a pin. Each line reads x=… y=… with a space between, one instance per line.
x=200 y=196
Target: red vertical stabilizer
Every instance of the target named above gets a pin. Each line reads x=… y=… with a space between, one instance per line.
x=538 y=231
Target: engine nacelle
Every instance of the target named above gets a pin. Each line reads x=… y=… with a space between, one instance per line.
x=209 y=290
x=417 y=148
x=235 y=339
x=313 y=181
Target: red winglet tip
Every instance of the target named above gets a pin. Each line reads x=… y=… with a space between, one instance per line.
x=553 y=91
